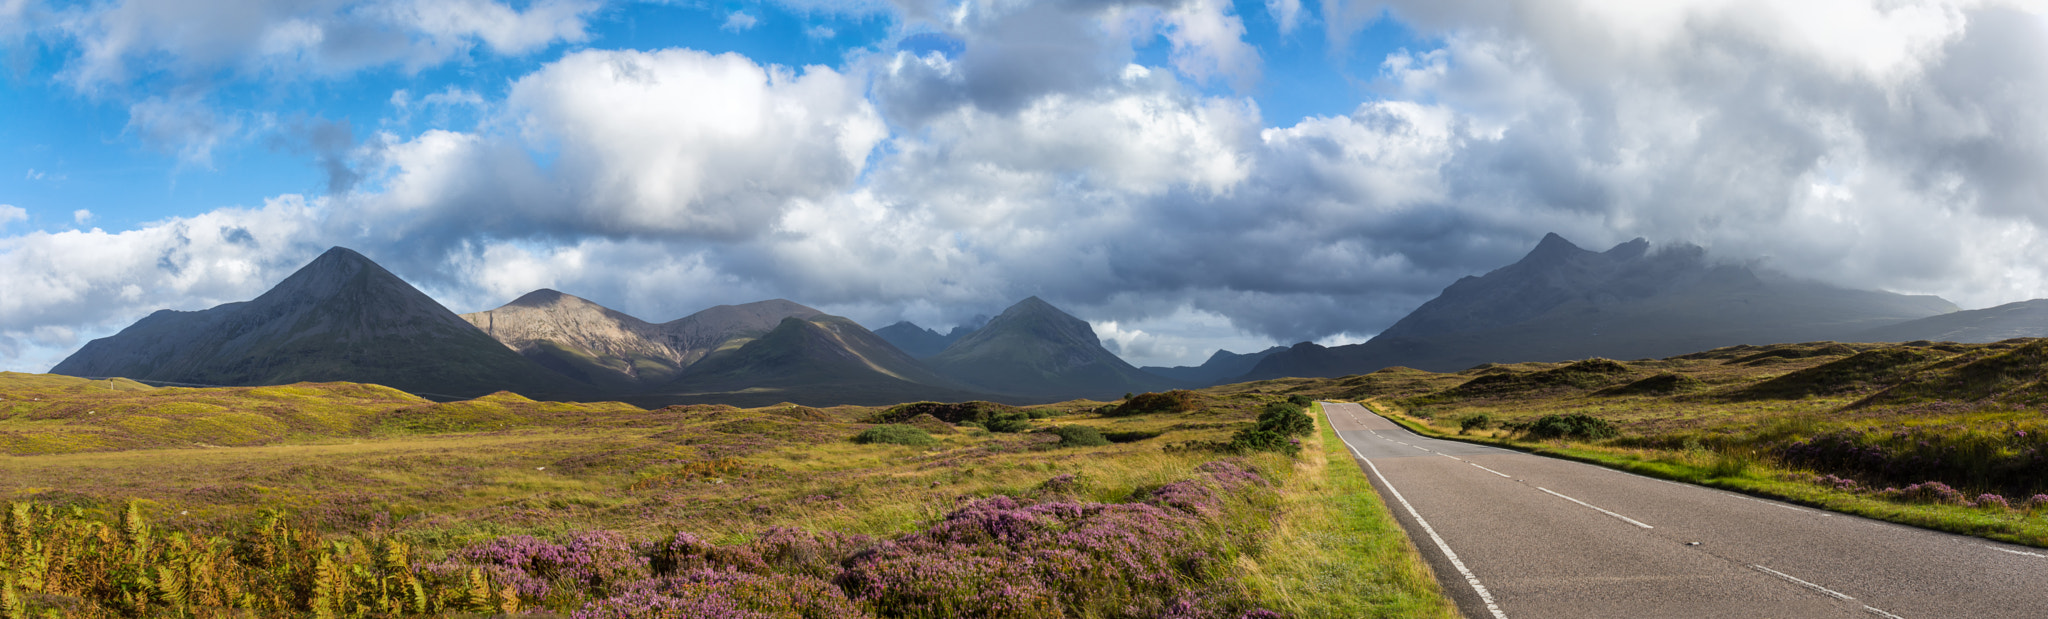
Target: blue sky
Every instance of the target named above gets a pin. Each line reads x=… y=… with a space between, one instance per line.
x=1186 y=174
x=69 y=150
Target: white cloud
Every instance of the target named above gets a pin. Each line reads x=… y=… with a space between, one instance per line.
x=820 y=32
x=1208 y=42
x=683 y=142
x=739 y=21
x=81 y=216
x=1286 y=14
x=10 y=213
x=184 y=125
x=64 y=284
x=290 y=39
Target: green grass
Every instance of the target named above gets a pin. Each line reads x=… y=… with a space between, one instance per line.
x=1340 y=552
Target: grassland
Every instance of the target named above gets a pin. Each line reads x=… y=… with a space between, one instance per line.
x=1940 y=435
x=371 y=502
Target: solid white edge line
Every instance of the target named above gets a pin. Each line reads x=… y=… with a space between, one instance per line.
x=1597 y=509
x=1880 y=613
x=1470 y=579
x=1788 y=577
x=2030 y=554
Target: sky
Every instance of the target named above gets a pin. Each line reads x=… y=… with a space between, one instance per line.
x=1186 y=175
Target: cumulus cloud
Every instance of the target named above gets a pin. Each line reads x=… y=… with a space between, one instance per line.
x=62 y=284
x=10 y=213
x=1888 y=145
x=124 y=40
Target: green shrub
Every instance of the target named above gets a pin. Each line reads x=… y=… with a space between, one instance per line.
x=895 y=434
x=1176 y=401
x=1258 y=439
x=1474 y=422
x=1278 y=424
x=1078 y=436
x=1286 y=419
x=1009 y=422
x=1574 y=425
x=1300 y=400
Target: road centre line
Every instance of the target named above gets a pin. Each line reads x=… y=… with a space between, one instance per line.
x=2030 y=554
x=1470 y=579
x=1597 y=509
x=1880 y=613
x=1789 y=578
x=1476 y=464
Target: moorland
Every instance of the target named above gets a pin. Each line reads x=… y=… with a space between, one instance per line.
x=343 y=499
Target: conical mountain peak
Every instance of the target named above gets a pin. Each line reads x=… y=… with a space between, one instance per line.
x=340 y=317
x=1035 y=349
x=1552 y=248
x=540 y=298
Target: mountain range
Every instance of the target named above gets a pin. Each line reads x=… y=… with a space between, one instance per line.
x=344 y=318
x=1562 y=302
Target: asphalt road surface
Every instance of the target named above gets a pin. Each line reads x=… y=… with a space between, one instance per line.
x=1515 y=535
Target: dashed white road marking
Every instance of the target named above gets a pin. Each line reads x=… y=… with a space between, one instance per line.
x=2017 y=552
x=1789 y=578
x=1881 y=613
x=1420 y=447
x=1484 y=596
x=1598 y=509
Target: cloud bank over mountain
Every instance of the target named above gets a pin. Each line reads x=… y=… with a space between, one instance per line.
x=1110 y=157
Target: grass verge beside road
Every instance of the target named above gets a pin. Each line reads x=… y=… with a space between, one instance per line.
x=1339 y=552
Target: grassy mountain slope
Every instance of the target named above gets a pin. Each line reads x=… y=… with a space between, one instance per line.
x=822 y=360
x=1991 y=324
x=1034 y=349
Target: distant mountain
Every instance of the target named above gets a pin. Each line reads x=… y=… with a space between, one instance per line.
x=583 y=340
x=820 y=360
x=1561 y=302
x=921 y=342
x=339 y=318
x=1034 y=349
x=728 y=327
x=1991 y=324
x=914 y=340
x=1221 y=367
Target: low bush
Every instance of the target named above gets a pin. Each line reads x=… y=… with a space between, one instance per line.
x=1176 y=401
x=1078 y=436
x=895 y=434
x=1278 y=424
x=1009 y=422
x=1571 y=426
x=1474 y=422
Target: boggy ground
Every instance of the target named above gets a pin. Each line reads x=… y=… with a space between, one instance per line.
x=1943 y=435
x=359 y=500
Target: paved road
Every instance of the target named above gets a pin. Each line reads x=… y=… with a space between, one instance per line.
x=1516 y=535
